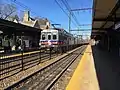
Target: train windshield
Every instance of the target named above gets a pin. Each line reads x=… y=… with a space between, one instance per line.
x=49 y=37
x=43 y=37
x=54 y=37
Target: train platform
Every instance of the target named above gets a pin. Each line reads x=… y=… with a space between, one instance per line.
x=97 y=70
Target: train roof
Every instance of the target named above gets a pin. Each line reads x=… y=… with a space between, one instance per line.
x=61 y=29
x=48 y=30
x=58 y=29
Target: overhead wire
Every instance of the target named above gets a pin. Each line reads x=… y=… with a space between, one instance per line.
x=27 y=8
x=69 y=9
x=63 y=10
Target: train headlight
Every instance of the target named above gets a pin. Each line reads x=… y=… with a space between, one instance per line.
x=39 y=43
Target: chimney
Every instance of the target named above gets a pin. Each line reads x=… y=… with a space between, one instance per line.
x=26 y=16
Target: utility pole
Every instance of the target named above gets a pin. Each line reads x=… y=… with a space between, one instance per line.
x=70 y=12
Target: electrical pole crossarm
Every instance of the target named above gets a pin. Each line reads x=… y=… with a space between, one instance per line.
x=81 y=9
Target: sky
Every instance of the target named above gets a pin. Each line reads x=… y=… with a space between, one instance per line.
x=49 y=9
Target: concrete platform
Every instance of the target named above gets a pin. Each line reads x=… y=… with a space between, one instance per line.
x=84 y=77
x=97 y=70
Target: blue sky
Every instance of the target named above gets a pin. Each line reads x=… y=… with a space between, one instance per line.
x=50 y=10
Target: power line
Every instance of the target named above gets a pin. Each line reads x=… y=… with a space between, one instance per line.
x=63 y=10
x=72 y=12
x=69 y=9
x=24 y=6
x=61 y=7
x=81 y=9
x=85 y=25
x=85 y=30
x=27 y=8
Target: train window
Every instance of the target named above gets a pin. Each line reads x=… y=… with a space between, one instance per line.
x=49 y=37
x=54 y=37
x=43 y=37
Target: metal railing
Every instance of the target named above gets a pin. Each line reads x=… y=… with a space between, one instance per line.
x=11 y=64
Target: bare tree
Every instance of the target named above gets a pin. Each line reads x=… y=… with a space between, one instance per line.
x=7 y=10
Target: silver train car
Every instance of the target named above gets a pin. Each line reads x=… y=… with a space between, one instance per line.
x=57 y=38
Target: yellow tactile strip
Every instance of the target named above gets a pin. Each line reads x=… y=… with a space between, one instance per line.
x=84 y=77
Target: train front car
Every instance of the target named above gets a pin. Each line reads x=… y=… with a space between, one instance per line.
x=49 y=38
x=57 y=39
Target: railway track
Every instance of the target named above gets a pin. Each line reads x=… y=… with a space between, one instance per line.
x=46 y=77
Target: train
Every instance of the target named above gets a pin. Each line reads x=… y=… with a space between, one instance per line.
x=57 y=37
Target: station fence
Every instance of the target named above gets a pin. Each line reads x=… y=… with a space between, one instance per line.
x=14 y=62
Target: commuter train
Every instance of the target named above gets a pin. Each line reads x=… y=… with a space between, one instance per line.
x=57 y=37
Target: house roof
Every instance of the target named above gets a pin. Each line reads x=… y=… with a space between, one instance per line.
x=29 y=23
x=42 y=21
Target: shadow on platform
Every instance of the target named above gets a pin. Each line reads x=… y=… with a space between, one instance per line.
x=107 y=68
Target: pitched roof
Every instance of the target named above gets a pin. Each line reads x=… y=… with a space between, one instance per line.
x=42 y=21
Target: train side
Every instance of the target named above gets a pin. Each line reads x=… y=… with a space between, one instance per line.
x=56 y=38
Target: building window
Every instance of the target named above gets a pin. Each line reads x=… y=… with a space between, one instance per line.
x=54 y=37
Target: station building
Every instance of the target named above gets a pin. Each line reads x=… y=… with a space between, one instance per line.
x=13 y=34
